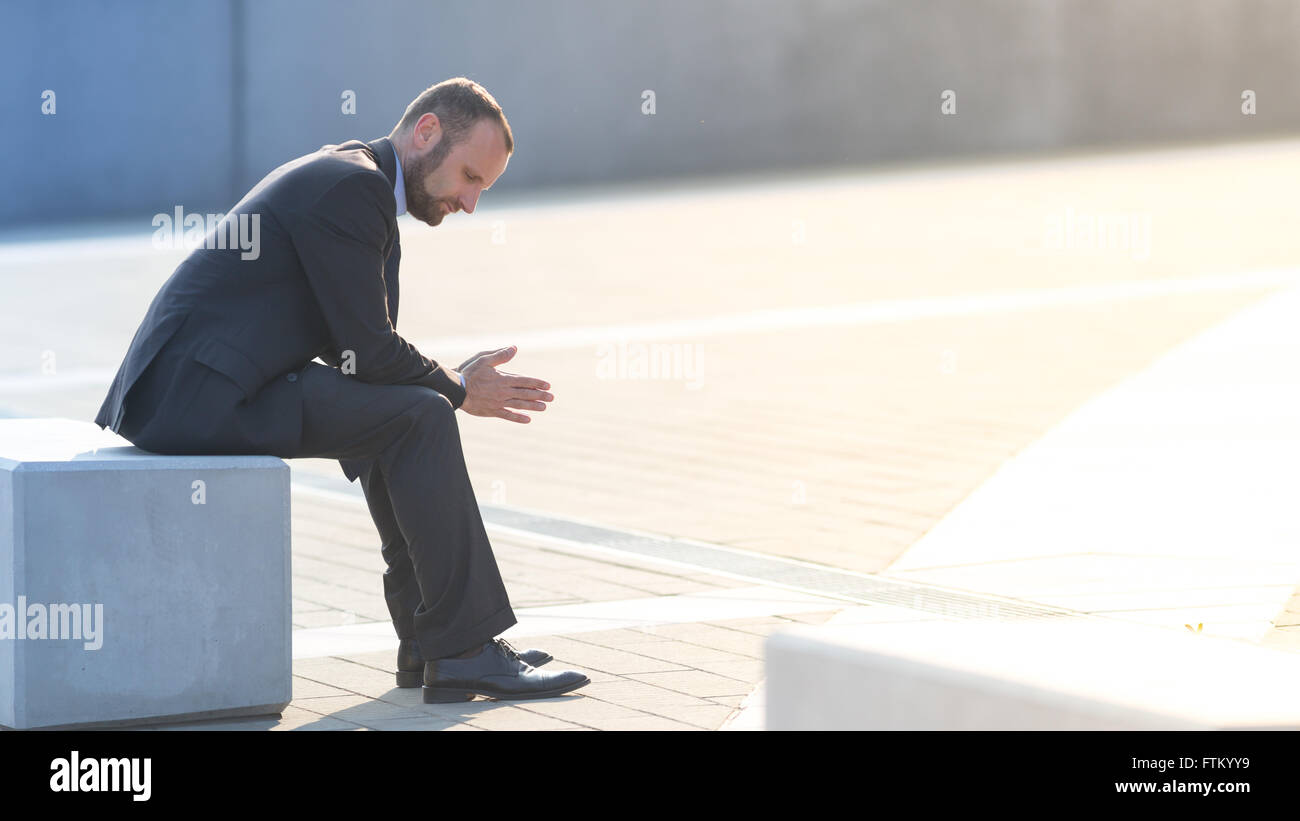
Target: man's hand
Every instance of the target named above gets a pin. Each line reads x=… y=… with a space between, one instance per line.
x=489 y=392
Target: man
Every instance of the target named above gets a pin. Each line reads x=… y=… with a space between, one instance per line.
x=223 y=364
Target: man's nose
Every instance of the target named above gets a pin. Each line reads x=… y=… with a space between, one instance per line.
x=468 y=201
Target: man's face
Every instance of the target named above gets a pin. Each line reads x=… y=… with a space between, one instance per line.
x=442 y=179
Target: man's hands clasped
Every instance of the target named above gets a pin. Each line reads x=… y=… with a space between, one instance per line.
x=489 y=392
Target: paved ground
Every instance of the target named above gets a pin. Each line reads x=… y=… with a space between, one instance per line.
x=1168 y=499
x=839 y=443
x=841 y=363
x=690 y=673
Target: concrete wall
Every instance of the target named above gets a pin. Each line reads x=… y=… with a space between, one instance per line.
x=166 y=103
x=142 y=118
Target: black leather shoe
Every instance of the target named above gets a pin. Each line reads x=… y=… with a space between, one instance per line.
x=410 y=664
x=497 y=671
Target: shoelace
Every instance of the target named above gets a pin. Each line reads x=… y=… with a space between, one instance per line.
x=510 y=651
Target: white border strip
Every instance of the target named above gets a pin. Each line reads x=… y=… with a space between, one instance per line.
x=825 y=316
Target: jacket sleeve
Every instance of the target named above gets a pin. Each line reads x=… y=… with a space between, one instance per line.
x=340 y=241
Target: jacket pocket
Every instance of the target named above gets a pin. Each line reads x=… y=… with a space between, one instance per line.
x=233 y=364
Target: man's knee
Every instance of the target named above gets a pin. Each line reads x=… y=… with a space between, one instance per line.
x=435 y=409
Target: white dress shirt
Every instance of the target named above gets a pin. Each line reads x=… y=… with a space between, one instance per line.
x=399 y=190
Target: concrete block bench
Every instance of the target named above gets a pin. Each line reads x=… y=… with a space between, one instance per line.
x=136 y=587
x=1056 y=674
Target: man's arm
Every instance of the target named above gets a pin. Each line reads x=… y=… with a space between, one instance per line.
x=340 y=241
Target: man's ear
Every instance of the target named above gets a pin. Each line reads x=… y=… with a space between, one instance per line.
x=427 y=131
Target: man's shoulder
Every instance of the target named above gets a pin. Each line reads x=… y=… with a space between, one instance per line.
x=344 y=159
x=302 y=182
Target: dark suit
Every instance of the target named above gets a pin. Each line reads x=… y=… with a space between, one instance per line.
x=222 y=363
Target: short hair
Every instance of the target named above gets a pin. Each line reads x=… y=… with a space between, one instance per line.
x=459 y=104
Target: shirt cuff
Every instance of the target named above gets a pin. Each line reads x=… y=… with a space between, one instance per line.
x=440 y=380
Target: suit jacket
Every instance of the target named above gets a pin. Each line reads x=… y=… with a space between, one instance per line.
x=324 y=282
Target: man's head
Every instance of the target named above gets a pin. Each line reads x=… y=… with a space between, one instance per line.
x=454 y=142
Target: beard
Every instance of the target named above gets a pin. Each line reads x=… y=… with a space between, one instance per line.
x=418 y=203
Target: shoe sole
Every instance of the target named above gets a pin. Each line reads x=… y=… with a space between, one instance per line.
x=446 y=695
x=415 y=678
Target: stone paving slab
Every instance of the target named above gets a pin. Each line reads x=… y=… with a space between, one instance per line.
x=1167 y=499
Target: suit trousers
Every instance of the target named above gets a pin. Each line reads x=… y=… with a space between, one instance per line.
x=442 y=584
